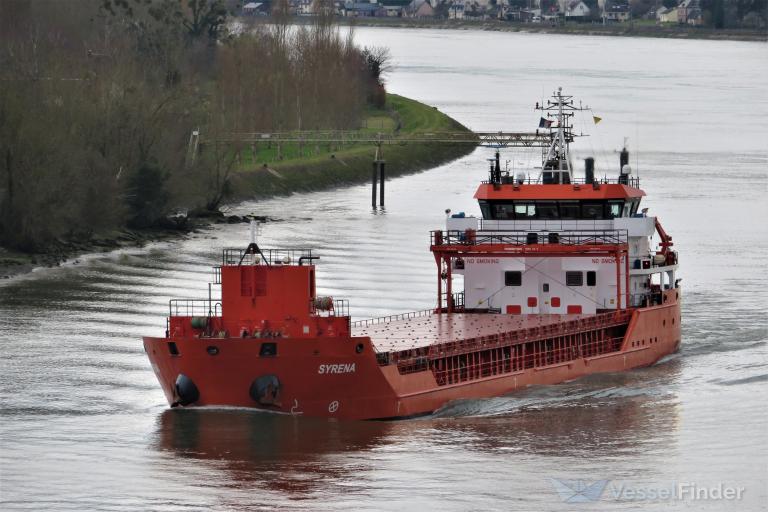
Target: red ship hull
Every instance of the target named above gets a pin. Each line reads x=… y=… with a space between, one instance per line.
x=343 y=378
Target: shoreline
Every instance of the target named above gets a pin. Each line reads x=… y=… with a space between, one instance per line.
x=15 y=263
x=348 y=166
x=617 y=29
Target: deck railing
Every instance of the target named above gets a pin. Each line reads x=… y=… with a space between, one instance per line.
x=194 y=307
x=327 y=306
x=569 y=238
x=393 y=318
x=269 y=256
x=514 y=361
x=509 y=179
x=458 y=347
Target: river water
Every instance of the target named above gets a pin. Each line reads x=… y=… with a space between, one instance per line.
x=85 y=426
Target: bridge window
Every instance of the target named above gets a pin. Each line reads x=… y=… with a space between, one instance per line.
x=592 y=211
x=574 y=278
x=503 y=211
x=485 y=209
x=614 y=209
x=525 y=211
x=591 y=278
x=513 y=278
x=547 y=210
x=569 y=209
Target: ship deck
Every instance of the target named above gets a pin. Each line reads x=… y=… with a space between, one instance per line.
x=404 y=333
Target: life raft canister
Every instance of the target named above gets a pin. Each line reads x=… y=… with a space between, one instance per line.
x=266 y=390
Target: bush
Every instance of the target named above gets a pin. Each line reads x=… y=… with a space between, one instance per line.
x=147 y=197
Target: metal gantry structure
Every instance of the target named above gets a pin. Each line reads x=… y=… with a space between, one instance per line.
x=340 y=138
x=498 y=139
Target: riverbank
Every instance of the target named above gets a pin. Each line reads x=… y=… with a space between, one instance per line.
x=265 y=175
x=332 y=167
x=639 y=29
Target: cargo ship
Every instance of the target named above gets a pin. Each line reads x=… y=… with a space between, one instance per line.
x=558 y=278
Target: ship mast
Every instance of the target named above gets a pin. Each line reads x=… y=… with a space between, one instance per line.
x=556 y=163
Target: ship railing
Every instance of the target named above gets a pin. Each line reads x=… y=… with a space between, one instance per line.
x=513 y=362
x=570 y=238
x=269 y=256
x=508 y=179
x=457 y=301
x=545 y=225
x=458 y=306
x=194 y=307
x=646 y=299
x=327 y=306
x=392 y=318
x=463 y=346
x=217 y=275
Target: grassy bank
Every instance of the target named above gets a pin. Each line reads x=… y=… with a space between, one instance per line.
x=315 y=168
x=638 y=29
x=263 y=174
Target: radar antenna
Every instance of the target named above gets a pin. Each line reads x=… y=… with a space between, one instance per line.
x=556 y=162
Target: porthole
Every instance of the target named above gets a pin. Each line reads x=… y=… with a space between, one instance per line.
x=212 y=350
x=359 y=348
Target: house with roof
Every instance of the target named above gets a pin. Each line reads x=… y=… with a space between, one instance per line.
x=667 y=15
x=576 y=10
x=363 y=10
x=689 y=13
x=615 y=11
x=419 y=9
x=394 y=8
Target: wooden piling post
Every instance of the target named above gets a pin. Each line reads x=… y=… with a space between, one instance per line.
x=381 y=185
x=374 y=177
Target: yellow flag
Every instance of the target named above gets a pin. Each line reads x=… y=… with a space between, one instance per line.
x=597 y=119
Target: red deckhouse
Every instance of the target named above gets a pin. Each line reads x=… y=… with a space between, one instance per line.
x=556 y=280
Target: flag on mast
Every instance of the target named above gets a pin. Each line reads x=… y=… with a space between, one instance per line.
x=596 y=119
x=545 y=123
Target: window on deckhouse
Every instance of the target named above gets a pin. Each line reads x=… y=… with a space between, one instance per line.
x=573 y=278
x=513 y=278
